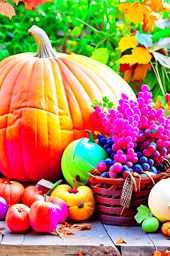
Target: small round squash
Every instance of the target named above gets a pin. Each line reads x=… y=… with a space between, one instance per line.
x=80 y=201
x=11 y=191
x=166 y=228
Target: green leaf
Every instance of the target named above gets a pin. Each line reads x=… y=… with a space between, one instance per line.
x=163 y=100
x=143 y=213
x=101 y=55
x=76 y=32
x=144 y=39
x=162 y=59
x=110 y=105
x=160 y=34
x=105 y=99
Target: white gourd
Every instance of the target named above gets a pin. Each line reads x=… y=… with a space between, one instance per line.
x=159 y=200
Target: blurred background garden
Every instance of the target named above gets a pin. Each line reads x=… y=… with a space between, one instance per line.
x=132 y=37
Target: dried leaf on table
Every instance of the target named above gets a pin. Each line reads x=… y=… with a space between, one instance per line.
x=63 y=231
x=121 y=241
x=2 y=228
x=83 y=226
x=81 y=254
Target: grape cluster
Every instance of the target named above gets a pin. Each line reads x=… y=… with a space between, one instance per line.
x=136 y=136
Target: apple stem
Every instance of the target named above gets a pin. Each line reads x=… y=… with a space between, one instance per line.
x=54 y=186
x=45 y=198
x=91 y=138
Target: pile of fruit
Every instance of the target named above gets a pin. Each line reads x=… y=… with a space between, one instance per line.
x=136 y=137
x=37 y=207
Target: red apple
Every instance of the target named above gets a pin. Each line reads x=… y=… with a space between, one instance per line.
x=62 y=207
x=17 y=218
x=44 y=216
x=32 y=194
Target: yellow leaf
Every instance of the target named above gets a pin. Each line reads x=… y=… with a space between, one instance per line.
x=141 y=71
x=123 y=7
x=139 y=55
x=7 y=10
x=127 y=42
x=136 y=12
x=154 y=5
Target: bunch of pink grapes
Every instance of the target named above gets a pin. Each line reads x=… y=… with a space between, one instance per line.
x=136 y=127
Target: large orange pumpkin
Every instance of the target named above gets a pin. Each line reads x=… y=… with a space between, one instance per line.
x=45 y=103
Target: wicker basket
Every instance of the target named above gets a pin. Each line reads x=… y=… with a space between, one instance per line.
x=108 y=196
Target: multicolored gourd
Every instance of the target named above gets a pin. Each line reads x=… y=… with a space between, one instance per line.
x=79 y=158
x=80 y=201
x=45 y=103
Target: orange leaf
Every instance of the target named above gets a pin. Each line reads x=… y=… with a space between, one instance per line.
x=136 y=12
x=141 y=71
x=123 y=7
x=127 y=42
x=154 y=5
x=128 y=75
x=7 y=10
x=149 y=22
x=121 y=241
x=139 y=55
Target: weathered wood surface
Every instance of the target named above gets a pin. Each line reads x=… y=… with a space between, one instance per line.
x=90 y=242
x=137 y=242
x=100 y=240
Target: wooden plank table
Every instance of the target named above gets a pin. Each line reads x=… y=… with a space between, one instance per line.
x=100 y=240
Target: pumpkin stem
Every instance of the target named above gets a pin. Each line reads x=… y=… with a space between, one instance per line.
x=80 y=204
x=73 y=190
x=45 y=49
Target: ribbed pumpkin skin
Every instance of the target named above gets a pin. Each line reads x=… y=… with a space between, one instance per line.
x=45 y=103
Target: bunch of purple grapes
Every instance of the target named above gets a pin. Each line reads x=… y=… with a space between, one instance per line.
x=137 y=136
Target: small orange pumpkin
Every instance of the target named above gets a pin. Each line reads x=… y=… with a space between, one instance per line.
x=166 y=228
x=11 y=191
x=45 y=103
x=80 y=201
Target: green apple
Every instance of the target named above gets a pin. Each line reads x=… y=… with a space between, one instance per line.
x=150 y=224
x=79 y=158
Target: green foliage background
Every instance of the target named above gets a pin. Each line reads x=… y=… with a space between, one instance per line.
x=79 y=26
